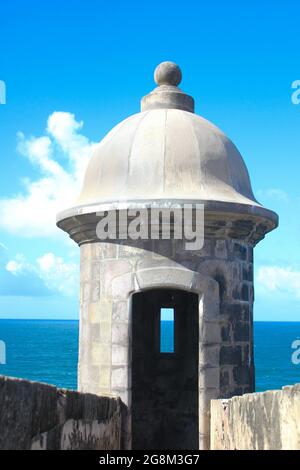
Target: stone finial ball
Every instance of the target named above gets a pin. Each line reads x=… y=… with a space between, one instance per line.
x=167 y=73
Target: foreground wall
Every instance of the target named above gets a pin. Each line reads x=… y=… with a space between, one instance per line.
x=39 y=416
x=257 y=421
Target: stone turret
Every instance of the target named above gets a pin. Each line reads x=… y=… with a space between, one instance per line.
x=166 y=158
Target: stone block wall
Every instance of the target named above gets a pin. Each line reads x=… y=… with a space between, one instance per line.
x=221 y=273
x=37 y=416
x=257 y=421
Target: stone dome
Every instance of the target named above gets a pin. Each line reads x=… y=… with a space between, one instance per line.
x=166 y=156
x=166 y=152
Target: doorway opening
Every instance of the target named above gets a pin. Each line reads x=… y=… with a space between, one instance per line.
x=165 y=350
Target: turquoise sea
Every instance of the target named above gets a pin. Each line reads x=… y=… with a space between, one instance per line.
x=46 y=350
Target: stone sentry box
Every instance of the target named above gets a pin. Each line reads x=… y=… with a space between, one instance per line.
x=167 y=156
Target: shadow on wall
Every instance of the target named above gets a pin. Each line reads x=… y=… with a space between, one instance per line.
x=38 y=416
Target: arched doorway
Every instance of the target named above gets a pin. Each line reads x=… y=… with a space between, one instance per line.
x=165 y=337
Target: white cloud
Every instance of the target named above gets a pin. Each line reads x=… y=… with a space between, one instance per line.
x=17 y=266
x=13 y=267
x=64 y=129
x=56 y=275
x=32 y=213
x=282 y=280
x=274 y=194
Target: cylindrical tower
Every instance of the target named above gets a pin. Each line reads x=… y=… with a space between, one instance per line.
x=166 y=159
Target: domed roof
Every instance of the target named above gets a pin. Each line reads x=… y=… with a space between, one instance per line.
x=166 y=156
x=166 y=152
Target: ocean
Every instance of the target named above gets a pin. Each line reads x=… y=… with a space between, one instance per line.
x=47 y=350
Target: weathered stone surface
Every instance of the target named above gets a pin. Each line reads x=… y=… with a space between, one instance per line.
x=120 y=312
x=245 y=292
x=241 y=331
x=34 y=415
x=257 y=421
x=240 y=251
x=221 y=275
x=248 y=272
x=220 y=250
x=230 y=355
x=224 y=378
x=235 y=312
x=209 y=377
x=241 y=375
x=225 y=333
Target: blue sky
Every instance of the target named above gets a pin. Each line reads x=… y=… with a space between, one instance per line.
x=75 y=69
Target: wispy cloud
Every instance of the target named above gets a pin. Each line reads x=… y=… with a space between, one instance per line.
x=274 y=194
x=18 y=279
x=17 y=266
x=32 y=213
x=56 y=276
x=280 y=280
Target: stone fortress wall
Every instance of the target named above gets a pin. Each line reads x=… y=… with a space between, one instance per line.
x=257 y=421
x=38 y=416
